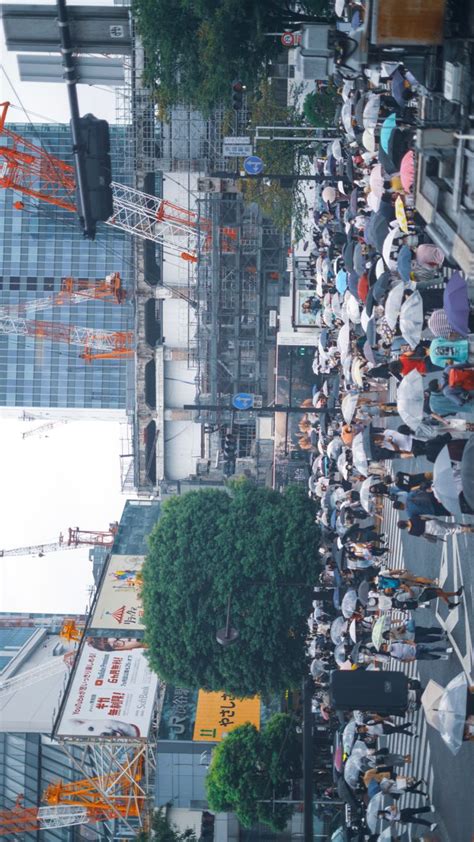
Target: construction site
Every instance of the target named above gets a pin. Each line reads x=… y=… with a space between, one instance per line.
x=174 y=315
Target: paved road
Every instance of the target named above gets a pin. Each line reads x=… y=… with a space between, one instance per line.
x=450 y=779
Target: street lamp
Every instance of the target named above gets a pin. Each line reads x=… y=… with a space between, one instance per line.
x=227 y=635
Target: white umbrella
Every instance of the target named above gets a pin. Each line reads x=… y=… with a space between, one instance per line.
x=329 y=194
x=379 y=802
x=364 y=320
x=346 y=117
x=336 y=304
x=339 y=8
x=352 y=308
x=349 y=603
x=349 y=736
x=373 y=201
x=379 y=268
x=342 y=465
x=336 y=150
x=344 y=340
x=446 y=484
x=347 y=89
x=353 y=631
x=376 y=180
x=388 y=245
x=445 y=709
x=357 y=373
x=328 y=317
x=335 y=447
x=349 y=406
x=346 y=369
x=366 y=496
x=393 y=304
x=410 y=399
x=371 y=112
x=368 y=139
x=411 y=319
x=338 y=630
x=359 y=456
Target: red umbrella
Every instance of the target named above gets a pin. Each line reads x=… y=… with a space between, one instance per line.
x=363 y=287
x=407 y=171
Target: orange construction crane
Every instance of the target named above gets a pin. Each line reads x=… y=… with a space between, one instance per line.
x=32 y=171
x=97 y=344
x=76 y=538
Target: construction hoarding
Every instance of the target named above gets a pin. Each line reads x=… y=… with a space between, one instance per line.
x=118 y=604
x=112 y=692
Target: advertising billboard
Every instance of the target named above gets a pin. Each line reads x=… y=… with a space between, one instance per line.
x=219 y=713
x=118 y=606
x=112 y=691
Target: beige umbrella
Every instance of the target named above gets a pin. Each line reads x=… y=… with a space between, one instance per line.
x=430 y=701
x=377 y=181
x=368 y=139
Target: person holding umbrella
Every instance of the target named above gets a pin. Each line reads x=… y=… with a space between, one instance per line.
x=432 y=529
x=409 y=596
x=404 y=651
x=406 y=815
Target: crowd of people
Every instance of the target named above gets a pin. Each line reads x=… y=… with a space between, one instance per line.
x=394 y=379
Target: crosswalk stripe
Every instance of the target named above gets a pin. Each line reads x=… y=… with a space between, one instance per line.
x=419 y=748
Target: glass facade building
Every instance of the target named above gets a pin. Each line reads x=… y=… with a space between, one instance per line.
x=39 y=246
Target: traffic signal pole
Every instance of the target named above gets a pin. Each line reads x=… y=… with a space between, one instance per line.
x=285 y=180
x=84 y=205
x=261 y=410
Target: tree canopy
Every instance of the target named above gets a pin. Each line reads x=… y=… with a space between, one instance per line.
x=319 y=107
x=196 y=48
x=283 y=205
x=252 y=543
x=250 y=768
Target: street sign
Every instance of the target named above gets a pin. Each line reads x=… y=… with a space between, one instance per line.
x=290 y=39
x=253 y=165
x=243 y=400
x=230 y=139
x=237 y=150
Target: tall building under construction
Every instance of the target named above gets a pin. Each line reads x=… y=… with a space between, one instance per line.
x=39 y=246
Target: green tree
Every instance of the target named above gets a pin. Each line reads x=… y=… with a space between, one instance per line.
x=162 y=831
x=251 y=768
x=196 y=48
x=284 y=205
x=319 y=107
x=251 y=542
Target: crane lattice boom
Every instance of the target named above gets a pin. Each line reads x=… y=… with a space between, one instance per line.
x=32 y=171
x=76 y=538
x=113 y=343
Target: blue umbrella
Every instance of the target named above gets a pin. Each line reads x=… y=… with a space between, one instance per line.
x=341 y=281
x=404 y=259
x=388 y=126
x=353 y=282
x=348 y=256
x=400 y=90
x=456 y=304
x=359 y=260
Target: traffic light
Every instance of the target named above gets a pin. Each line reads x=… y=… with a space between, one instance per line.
x=238 y=90
x=230 y=446
x=94 y=144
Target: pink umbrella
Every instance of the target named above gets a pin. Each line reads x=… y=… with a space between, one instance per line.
x=377 y=181
x=407 y=171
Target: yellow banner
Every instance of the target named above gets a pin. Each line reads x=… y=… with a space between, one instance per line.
x=219 y=713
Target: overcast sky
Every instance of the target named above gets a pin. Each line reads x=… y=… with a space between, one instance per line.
x=71 y=478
